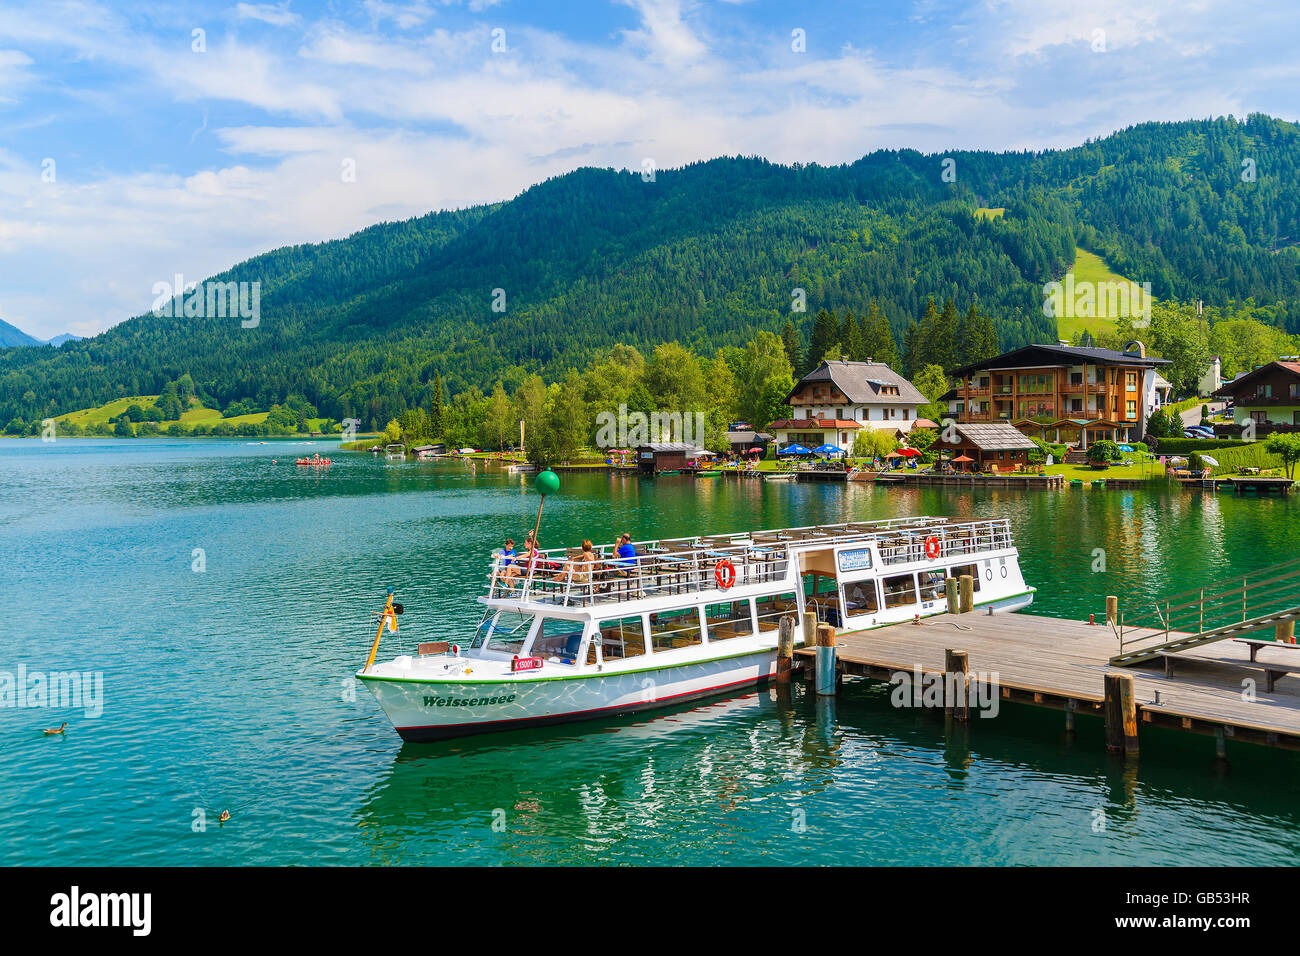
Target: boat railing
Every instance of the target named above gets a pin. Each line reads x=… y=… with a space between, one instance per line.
x=948 y=541
x=685 y=566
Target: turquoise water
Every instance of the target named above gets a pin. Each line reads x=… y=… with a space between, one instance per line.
x=229 y=687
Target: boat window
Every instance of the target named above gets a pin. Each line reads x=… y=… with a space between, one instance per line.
x=677 y=628
x=728 y=619
x=559 y=640
x=899 y=590
x=772 y=606
x=970 y=569
x=506 y=632
x=932 y=587
x=622 y=637
x=860 y=597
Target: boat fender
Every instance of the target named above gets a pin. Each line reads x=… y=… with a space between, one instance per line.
x=725 y=574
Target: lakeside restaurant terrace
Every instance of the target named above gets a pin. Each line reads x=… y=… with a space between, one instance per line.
x=677 y=566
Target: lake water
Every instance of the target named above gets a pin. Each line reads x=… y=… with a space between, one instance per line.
x=226 y=597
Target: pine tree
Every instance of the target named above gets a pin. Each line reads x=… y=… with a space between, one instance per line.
x=793 y=346
x=910 y=344
x=878 y=337
x=437 y=415
x=825 y=333
x=855 y=346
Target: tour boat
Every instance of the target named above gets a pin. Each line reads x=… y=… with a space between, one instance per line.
x=684 y=619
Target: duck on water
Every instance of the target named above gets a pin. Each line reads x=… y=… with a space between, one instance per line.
x=570 y=638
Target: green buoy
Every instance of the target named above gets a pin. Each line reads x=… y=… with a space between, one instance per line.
x=547 y=483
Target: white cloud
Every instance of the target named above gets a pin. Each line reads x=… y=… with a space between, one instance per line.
x=275 y=14
x=430 y=118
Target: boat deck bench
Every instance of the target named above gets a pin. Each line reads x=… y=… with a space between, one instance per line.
x=1271 y=672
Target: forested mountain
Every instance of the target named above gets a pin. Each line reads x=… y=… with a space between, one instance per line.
x=707 y=255
x=13 y=337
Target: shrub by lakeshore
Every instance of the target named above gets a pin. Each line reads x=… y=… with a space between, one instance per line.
x=1185 y=446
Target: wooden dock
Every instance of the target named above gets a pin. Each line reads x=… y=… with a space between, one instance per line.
x=1062 y=664
x=969 y=481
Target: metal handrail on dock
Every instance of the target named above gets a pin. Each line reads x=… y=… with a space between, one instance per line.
x=1221 y=609
x=687 y=566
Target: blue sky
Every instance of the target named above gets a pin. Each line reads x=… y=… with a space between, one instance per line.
x=170 y=159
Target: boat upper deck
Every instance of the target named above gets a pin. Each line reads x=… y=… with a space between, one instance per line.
x=683 y=566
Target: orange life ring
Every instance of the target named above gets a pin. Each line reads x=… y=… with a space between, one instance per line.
x=932 y=547
x=725 y=574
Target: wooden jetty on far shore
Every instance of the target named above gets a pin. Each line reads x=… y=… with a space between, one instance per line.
x=972 y=480
x=1241 y=484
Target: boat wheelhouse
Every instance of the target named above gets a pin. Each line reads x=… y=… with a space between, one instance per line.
x=569 y=635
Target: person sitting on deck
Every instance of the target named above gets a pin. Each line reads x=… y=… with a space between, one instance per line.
x=626 y=554
x=518 y=564
x=625 y=559
x=578 y=569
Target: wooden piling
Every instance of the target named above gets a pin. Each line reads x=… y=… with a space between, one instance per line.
x=1112 y=609
x=825 y=660
x=784 y=649
x=956 y=685
x=1121 y=715
x=967 y=594
x=1286 y=632
x=809 y=640
x=951 y=593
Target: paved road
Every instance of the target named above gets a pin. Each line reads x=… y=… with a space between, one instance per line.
x=1193 y=415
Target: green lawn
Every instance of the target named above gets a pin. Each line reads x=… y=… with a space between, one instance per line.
x=101 y=414
x=990 y=212
x=1089 y=268
x=1085 y=473
x=195 y=414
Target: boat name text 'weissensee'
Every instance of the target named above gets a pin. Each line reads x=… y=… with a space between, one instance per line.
x=466 y=701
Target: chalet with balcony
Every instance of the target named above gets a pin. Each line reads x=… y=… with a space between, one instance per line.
x=1269 y=395
x=1061 y=393
x=855 y=395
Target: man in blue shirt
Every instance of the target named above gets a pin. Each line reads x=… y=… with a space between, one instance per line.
x=626 y=552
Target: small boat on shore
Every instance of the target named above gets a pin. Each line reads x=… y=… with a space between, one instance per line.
x=778 y=476
x=570 y=638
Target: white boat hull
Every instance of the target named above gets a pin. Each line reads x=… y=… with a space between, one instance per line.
x=423 y=710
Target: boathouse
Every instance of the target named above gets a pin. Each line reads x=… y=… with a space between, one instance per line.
x=995 y=445
x=742 y=440
x=658 y=457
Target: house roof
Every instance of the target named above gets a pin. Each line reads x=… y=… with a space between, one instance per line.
x=814 y=423
x=741 y=437
x=1033 y=356
x=993 y=436
x=861 y=383
x=1231 y=388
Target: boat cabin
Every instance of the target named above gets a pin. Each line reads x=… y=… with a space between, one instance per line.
x=682 y=596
